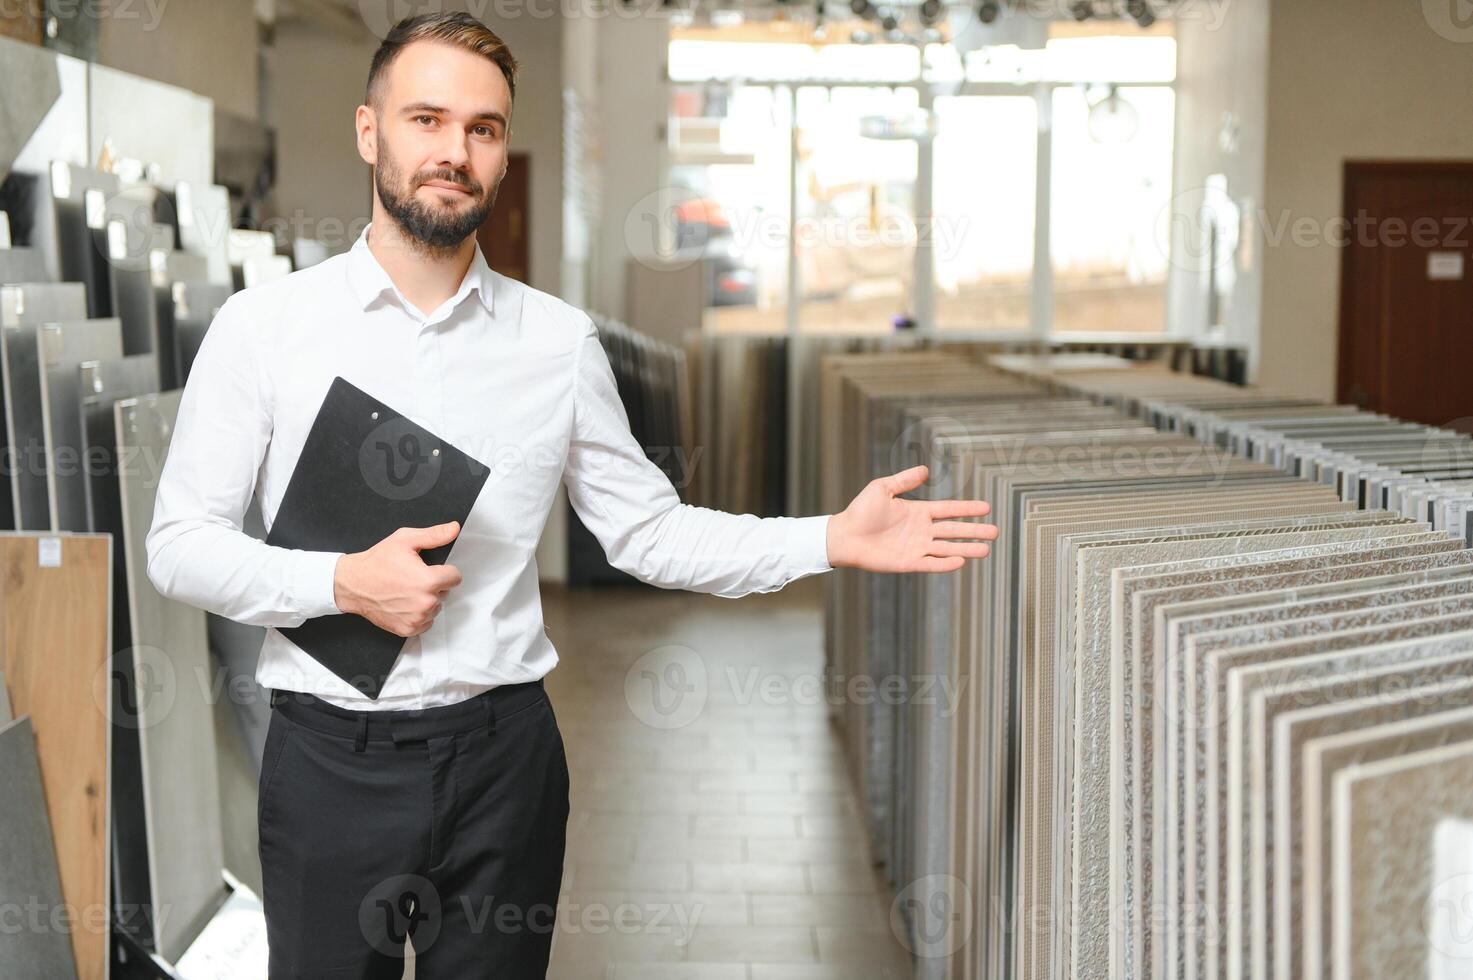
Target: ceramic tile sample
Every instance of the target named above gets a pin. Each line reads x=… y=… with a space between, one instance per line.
x=1132 y=735
x=28 y=862
x=1034 y=720
x=1173 y=619
x=1134 y=601
x=1260 y=772
x=1392 y=822
x=61 y=350
x=175 y=719
x=1301 y=675
x=1035 y=705
x=1197 y=920
x=1091 y=854
x=1090 y=779
x=1040 y=609
x=54 y=645
x=22 y=309
x=1329 y=738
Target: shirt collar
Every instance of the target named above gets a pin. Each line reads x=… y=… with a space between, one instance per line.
x=369 y=280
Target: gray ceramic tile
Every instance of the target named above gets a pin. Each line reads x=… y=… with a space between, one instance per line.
x=30 y=948
x=176 y=725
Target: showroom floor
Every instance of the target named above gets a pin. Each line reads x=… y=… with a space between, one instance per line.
x=718 y=837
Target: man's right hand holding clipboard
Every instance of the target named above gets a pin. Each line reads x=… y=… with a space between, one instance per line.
x=391 y=587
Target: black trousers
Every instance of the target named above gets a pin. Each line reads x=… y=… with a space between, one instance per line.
x=446 y=825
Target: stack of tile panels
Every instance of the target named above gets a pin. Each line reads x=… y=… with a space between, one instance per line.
x=1370 y=458
x=1146 y=736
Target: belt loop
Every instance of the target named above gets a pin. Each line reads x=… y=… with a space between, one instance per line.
x=361 y=742
x=490 y=718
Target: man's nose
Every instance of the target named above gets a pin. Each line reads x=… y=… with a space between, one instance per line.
x=452 y=151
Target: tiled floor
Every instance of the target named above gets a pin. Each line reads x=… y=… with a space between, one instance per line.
x=714 y=831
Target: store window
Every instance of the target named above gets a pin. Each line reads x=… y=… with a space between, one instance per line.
x=856 y=229
x=986 y=168
x=799 y=166
x=729 y=180
x=1111 y=183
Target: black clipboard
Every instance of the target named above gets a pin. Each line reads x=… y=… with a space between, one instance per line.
x=365 y=471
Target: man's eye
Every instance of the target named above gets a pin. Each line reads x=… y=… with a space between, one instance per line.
x=423 y=118
x=485 y=131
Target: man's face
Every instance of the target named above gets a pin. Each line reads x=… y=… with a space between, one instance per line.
x=441 y=142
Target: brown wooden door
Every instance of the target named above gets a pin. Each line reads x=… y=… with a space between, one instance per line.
x=1406 y=298
x=503 y=235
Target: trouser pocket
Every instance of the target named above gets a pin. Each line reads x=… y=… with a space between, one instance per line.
x=277 y=734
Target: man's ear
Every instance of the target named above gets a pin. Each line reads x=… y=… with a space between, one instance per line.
x=365 y=125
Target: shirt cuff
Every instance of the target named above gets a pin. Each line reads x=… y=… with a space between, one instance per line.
x=312 y=577
x=808 y=545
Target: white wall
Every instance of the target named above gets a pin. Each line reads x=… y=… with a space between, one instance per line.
x=1313 y=83
x=634 y=111
x=209 y=48
x=315 y=80
x=1348 y=79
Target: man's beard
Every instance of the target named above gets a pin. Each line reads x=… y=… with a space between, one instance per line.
x=432 y=228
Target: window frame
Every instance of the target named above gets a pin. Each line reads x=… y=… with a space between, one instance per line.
x=923 y=298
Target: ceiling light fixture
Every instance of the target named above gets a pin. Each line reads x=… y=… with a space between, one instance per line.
x=1112 y=119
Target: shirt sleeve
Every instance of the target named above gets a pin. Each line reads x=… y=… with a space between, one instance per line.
x=197 y=551
x=635 y=512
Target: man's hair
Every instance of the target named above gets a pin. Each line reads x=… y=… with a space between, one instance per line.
x=459 y=29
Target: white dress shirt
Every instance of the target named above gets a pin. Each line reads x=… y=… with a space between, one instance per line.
x=511 y=375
